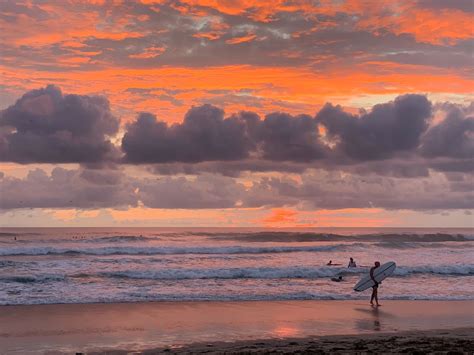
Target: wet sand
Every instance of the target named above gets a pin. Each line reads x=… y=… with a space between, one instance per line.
x=175 y=325
x=453 y=341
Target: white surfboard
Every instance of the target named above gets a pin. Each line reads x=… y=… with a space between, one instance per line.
x=380 y=273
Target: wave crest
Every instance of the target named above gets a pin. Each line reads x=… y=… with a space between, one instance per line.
x=130 y=250
x=279 y=273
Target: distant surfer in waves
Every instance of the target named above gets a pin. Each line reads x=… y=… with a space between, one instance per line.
x=375 y=287
x=337 y=279
x=352 y=263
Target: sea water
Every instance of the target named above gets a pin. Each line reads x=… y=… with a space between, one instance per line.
x=85 y=265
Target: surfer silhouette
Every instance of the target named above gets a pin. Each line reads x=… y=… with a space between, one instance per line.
x=375 y=287
x=337 y=279
x=352 y=263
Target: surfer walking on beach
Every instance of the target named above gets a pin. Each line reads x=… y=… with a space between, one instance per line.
x=376 y=285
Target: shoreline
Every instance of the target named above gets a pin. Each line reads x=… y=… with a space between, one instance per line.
x=96 y=327
x=361 y=300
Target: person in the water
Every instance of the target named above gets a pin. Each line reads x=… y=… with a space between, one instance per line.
x=337 y=279
x=352 y=263
x=375 y=287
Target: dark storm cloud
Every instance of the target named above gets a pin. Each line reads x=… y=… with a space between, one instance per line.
x=393 y=133
x=67 y=189
x=453 y=137
x=287 y=138
x=392 y=139
x=387 y=129
x=45 y=126
x=204 y=135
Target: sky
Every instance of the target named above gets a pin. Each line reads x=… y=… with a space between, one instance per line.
x=237 y=113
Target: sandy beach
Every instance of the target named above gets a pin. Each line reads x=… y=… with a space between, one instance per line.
x=173 y=326
x=439 y=341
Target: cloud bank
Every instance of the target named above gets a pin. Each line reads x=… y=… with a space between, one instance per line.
x=45 y=126
x=314 y=189
x=408 y=153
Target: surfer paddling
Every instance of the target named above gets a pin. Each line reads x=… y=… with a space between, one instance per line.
x=376 y=285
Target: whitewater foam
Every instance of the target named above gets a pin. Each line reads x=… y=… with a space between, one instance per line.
x=115 y=265
x=150 y=250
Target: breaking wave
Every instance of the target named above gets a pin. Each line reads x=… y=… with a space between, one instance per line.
x=245 y=273
x=130 y=250
x=235 y=249
x=279 y=273
x=32 y=278
x=324 y=237
x=245 y=237
x=122 y=239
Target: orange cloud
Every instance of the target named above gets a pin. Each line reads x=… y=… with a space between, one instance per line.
x=242 y=39
x=290 y=89
x=212 y=36
x=427 y=25
x=280 y=215
x=151 y=52
x=263 y=11
x=354 y=217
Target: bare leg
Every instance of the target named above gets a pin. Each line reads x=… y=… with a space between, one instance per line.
x=376 y=296
x=372 y=297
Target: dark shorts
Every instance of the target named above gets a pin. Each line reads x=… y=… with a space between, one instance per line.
x=375 y=287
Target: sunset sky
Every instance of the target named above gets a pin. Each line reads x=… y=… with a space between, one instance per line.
x=237 y=113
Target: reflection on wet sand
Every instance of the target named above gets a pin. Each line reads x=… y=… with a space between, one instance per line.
x=282 y=331
x=34 y=329
x=374 y=321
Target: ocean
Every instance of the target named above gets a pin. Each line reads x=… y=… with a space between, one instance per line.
x=102 y=265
